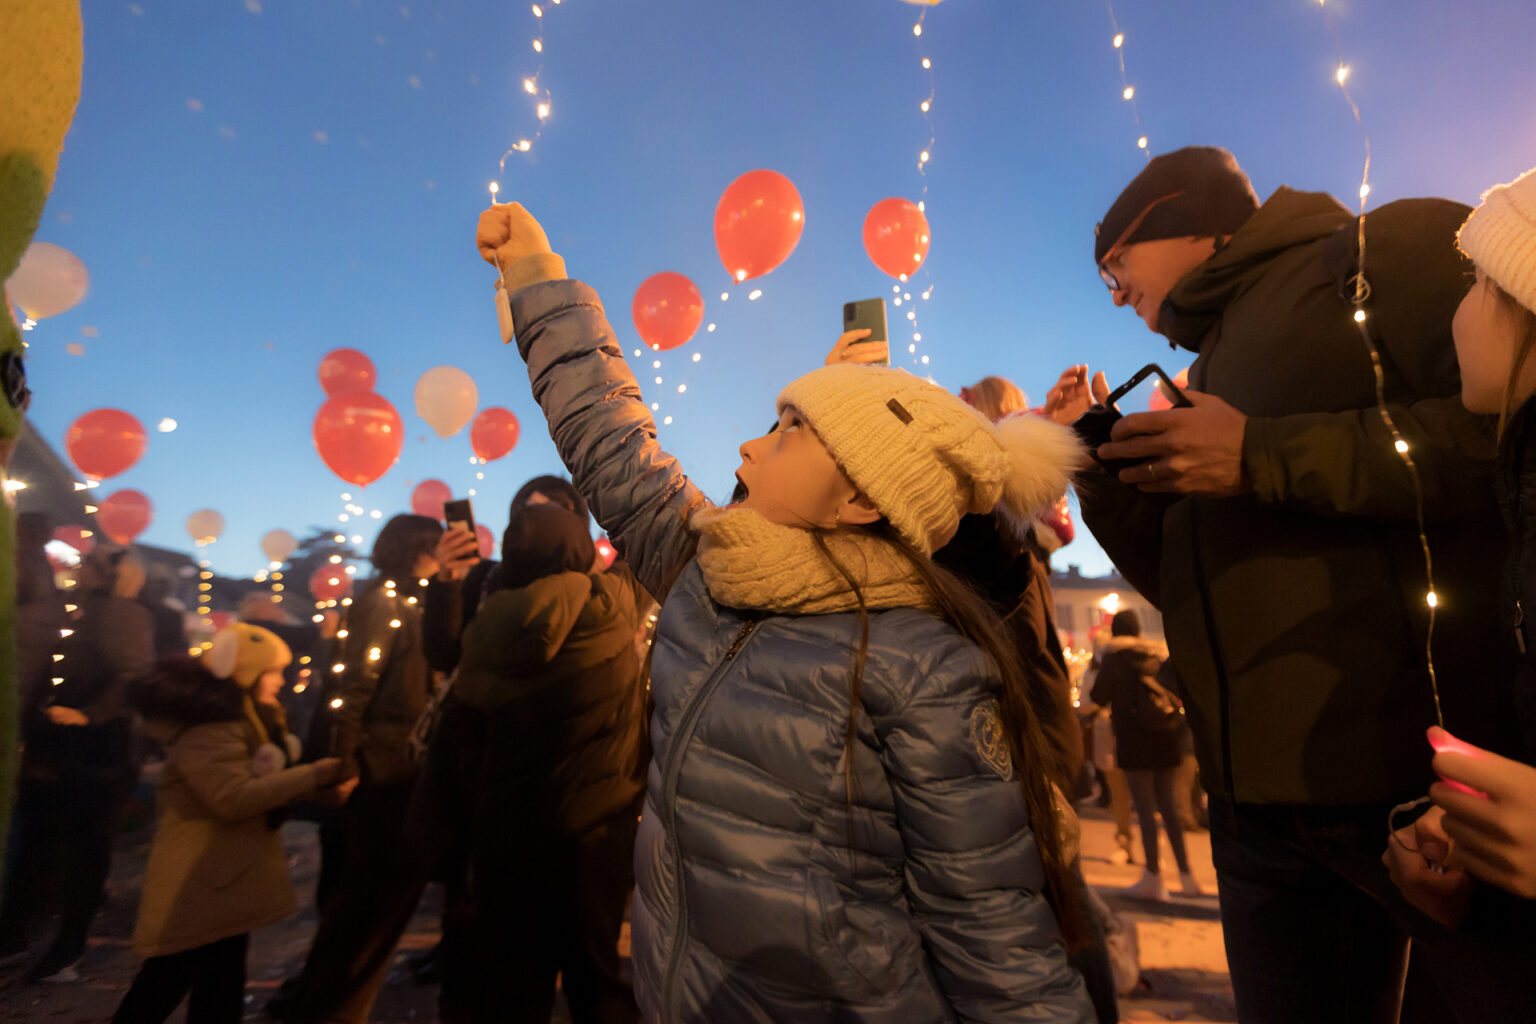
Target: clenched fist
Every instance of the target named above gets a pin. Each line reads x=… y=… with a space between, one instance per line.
x=507 y=233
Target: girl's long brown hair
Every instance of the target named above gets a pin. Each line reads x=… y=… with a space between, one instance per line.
x=1524 y=343
x=975 y=620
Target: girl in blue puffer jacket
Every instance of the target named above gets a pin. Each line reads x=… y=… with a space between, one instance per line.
x=847 y=816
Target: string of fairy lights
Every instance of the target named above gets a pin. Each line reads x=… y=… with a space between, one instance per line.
x=1127 y=90
x=534 y=87
x=903 y=295
x=1359 y=297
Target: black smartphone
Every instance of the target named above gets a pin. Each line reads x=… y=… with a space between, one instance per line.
x=459 y=515
x=1094 y=425
x=867 y=313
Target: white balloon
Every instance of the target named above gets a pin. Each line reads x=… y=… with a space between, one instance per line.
x=277 y=545
x=446 y=398
x=205 y=525
x=49 y=280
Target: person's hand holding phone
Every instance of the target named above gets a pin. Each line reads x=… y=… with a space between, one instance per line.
x=1197 y=450
x=457 y=551
x=852 y=348
x=1074 y=394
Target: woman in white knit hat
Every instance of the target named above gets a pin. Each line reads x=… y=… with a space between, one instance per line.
x=847 y=815
x=1481 y=830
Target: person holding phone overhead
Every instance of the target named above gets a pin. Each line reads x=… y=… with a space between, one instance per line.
x=1273 y=525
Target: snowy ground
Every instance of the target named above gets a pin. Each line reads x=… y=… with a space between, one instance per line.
x=1184 y=967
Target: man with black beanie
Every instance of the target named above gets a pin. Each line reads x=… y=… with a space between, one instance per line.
x=1273 y=524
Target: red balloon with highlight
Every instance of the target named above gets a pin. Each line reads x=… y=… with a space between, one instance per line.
x=896 y=236
x=123 y=515
x=105 y=442
x=347 y=369
x=77 y=537
x=487 y=540
x=330 y=583
x=359 y=435
x=606 y=552
x=494 y=433
x=667 y=310
x=758 y=222
x=428 y=497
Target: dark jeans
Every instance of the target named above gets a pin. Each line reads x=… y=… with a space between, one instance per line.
x=214 y=975
x=1316 y=931
x=63 y=831
x=557 y=914
x=1153 y=792
x=376 y=891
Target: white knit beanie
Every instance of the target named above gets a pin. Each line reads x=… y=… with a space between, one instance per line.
x=924 y=457
x=1500 y=237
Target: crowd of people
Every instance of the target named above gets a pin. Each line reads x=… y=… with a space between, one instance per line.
x=819 y=743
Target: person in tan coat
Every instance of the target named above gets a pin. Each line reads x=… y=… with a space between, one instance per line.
x=217 y=869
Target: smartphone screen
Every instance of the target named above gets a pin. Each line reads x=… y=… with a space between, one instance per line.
x=1146 y=392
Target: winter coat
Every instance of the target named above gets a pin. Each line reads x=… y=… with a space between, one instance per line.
x=1015 y=576
x=1297 y=613
x=1517 y=493
x=543 y=727
x=1126 y=661
x=383 y=686
x=770 y=887
x=216 y=869
x=447 y=609
x=110 y=648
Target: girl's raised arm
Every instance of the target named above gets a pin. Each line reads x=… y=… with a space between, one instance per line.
x=597 y=418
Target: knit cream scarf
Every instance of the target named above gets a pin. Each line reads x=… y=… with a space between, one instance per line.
x=749 y=562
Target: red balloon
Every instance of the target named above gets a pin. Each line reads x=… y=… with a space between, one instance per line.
x=758 y=223
x=359 y=435
x=667 y=310
x=494 y=433
x=105 y=442
x=428 y=497
x=487 y=540
x=896 y=236
x=219 y=620
x=123 y=515
x=346 y=369
x=77 y=537
x=330 y=583
x=606 y=552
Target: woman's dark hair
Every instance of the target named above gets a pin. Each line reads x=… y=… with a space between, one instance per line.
x=1125 y=623
x=543 y=540
x=965 y=610
x=403 y=540
x=1525 y=342
x=558 y=490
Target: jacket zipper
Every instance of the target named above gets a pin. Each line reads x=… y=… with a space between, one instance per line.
x=674 y=769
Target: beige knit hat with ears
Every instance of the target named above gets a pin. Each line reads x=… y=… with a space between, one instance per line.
x=1500 y=237
x=924 y=457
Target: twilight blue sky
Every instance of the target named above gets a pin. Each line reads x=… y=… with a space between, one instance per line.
x=252 y=184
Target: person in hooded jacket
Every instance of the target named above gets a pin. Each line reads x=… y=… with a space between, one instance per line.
x=1275 y=527
x=217 y=868
x=1148 y=725
x=545 y=736
x=847 y=815
x=78 y=765
x=464 y=579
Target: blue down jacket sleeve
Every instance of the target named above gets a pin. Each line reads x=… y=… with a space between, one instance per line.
x=974 y=881
x=603 y=429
